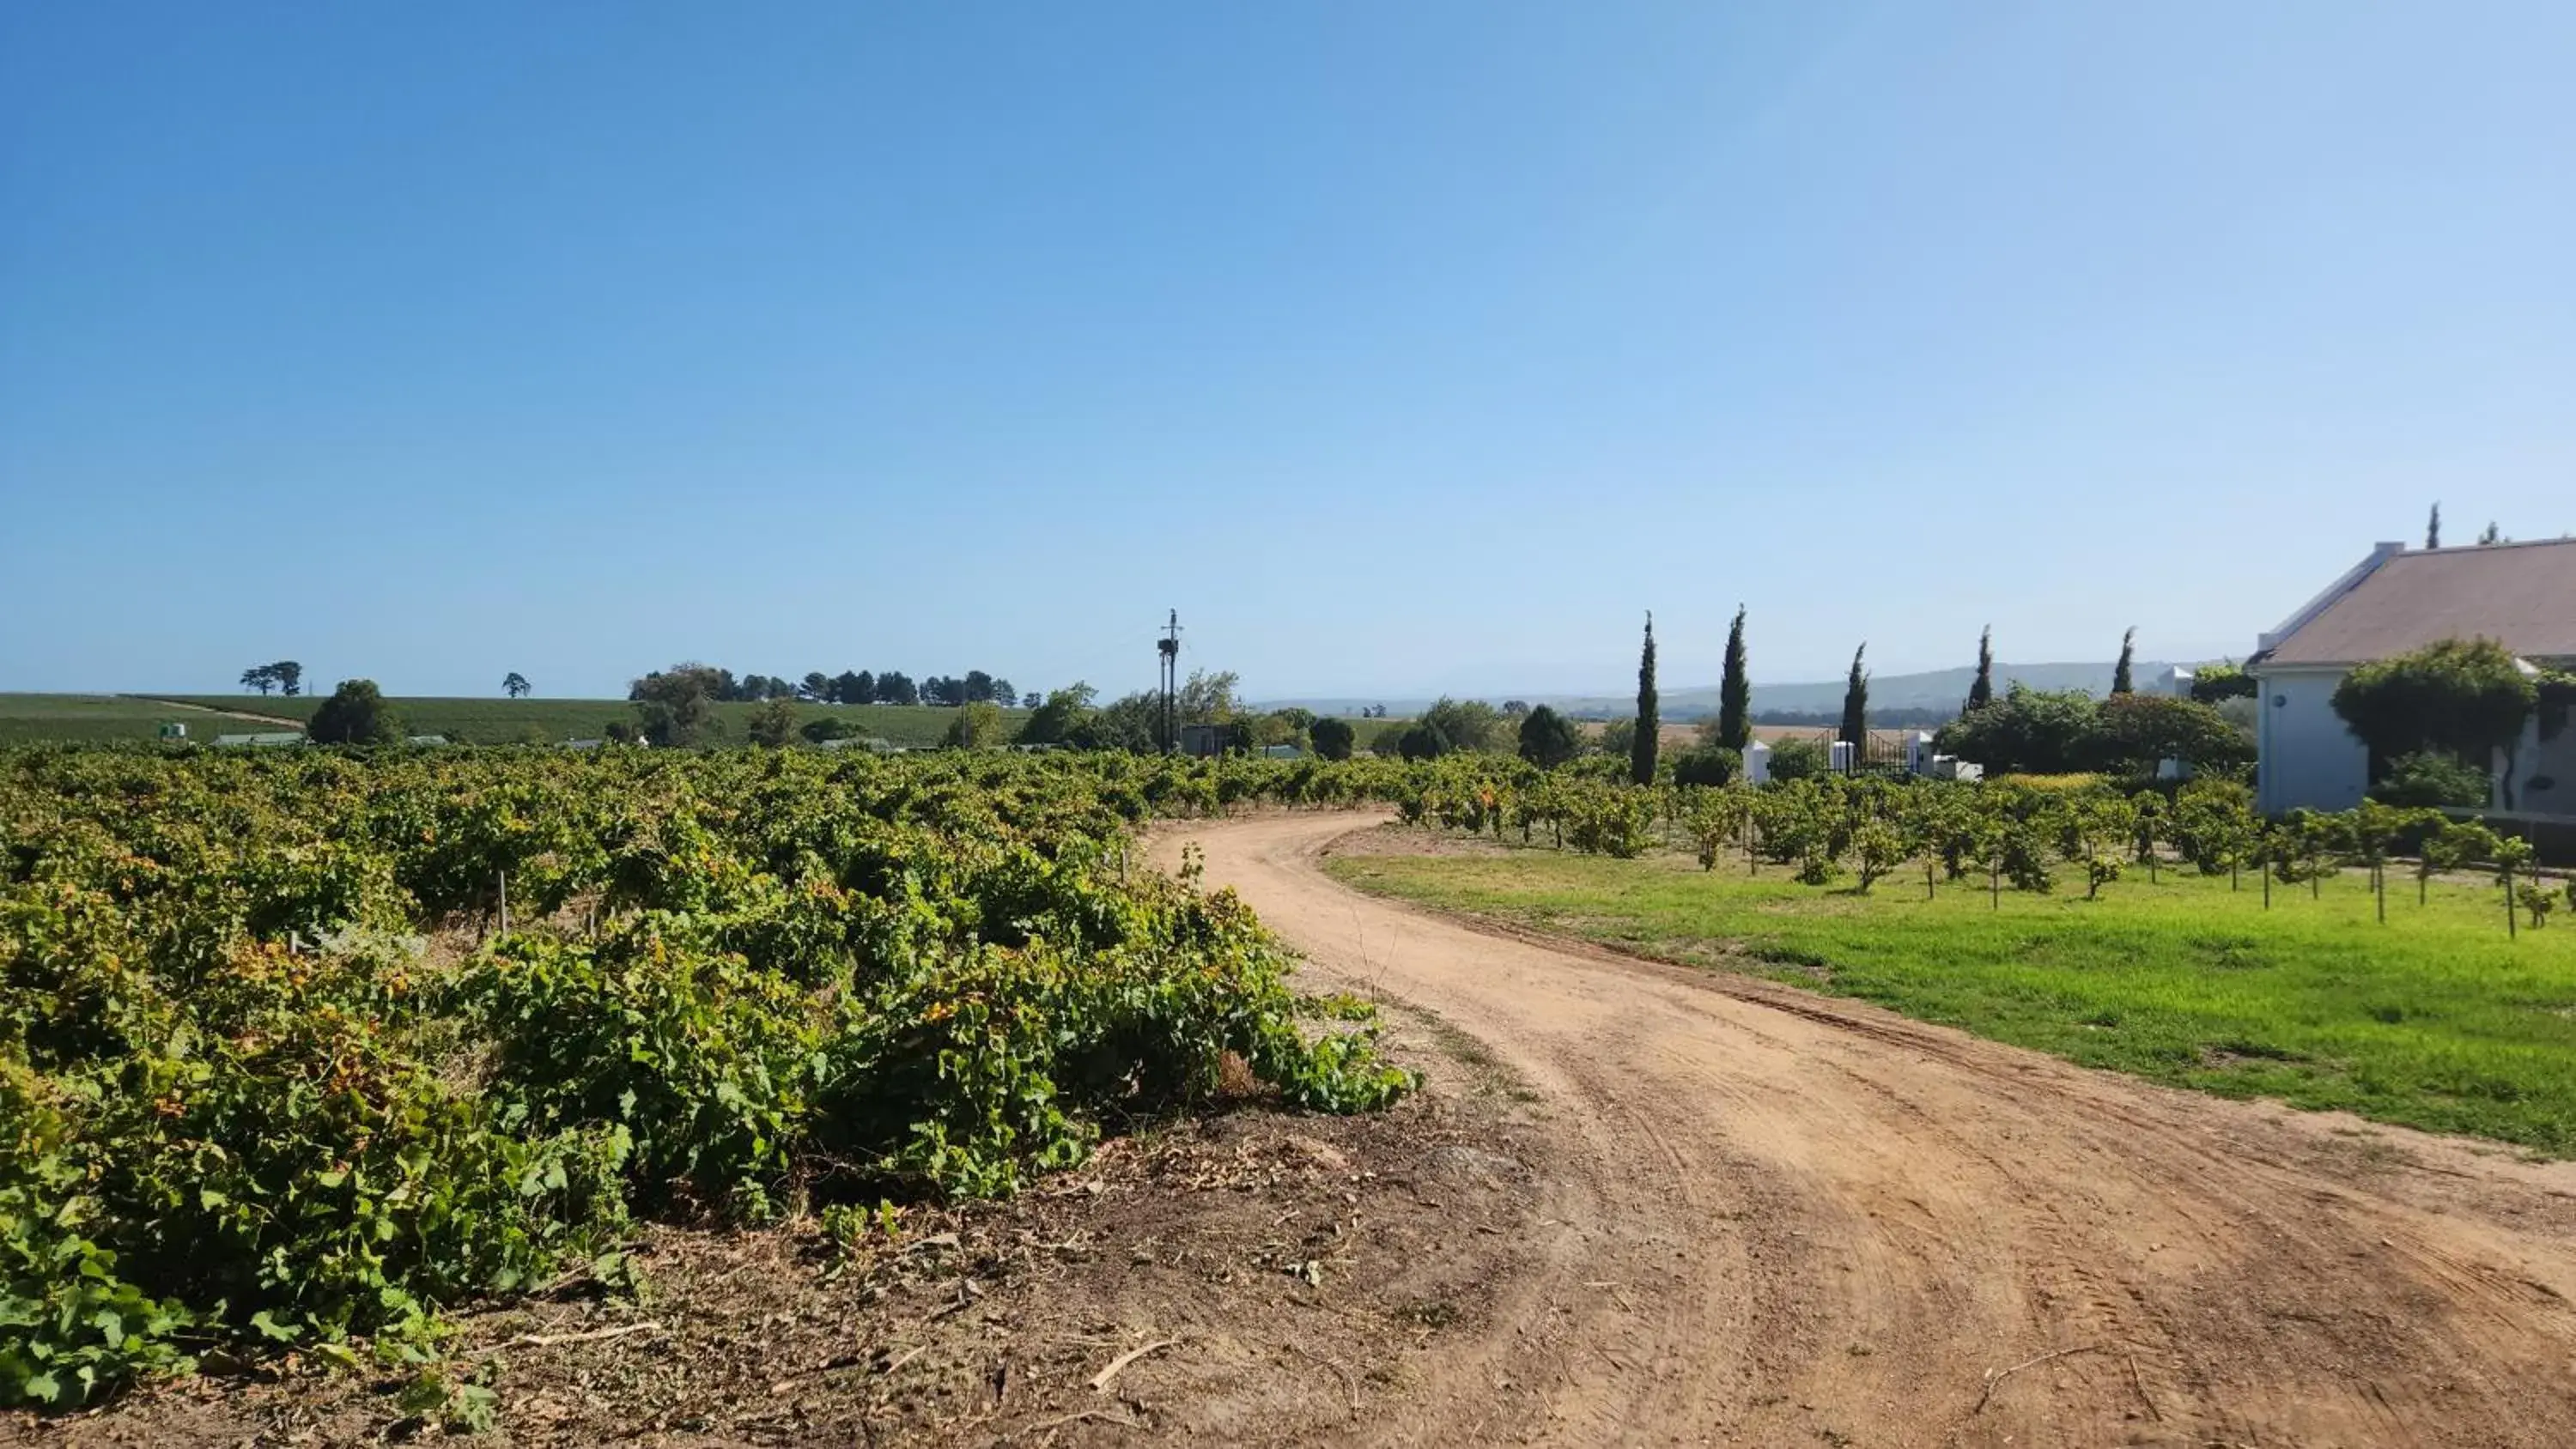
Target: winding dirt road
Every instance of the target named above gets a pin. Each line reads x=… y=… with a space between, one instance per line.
x=1774 y=1218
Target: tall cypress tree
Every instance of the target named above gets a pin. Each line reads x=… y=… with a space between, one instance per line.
x=2433 y=528
x=1981 y=690
x=1734 y=692
x=2120 y=682
x=1855 y=730
x=1641 y=750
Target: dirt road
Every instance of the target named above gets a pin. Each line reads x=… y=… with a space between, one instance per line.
x=1775 y=1218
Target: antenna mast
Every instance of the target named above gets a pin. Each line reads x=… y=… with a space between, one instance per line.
x=1169 y=647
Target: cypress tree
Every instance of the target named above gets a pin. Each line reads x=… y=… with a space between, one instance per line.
x=1855 y=730
x=2120 y=682
x=2433 y=528
x=1981 y=690
x=1641 y=750
x=1734 y=692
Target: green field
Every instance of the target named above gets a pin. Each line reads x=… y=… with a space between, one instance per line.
x=83 y=718
x=546 y=721
x=2433 y=1020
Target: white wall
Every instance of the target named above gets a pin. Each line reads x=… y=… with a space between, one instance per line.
x=2308 y=758
x=2552 y=760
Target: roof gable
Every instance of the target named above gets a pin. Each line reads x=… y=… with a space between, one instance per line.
x=2522 y=595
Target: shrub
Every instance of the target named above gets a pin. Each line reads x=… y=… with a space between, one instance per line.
x=1707 y=765
x=2462 y=697
x=355 y=714
x=1548 y=739
x=1799 y=758
x=1331 y=738
x=2432 y=778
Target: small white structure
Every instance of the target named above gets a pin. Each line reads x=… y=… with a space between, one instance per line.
x=1918 y=753
x=266 y=741
x=2177 y=681
x=1839 y=760
x=1757 y=763
x=2396 y=601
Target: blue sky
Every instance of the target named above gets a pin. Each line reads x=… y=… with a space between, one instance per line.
x=1402 y=347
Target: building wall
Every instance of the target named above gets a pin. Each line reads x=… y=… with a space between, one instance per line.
x=2544 y=777
x=2309 y=759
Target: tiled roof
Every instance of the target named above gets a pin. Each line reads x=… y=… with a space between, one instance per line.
x=2522 y=595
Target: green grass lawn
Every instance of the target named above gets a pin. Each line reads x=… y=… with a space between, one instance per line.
x=2433 y=1020
x=487 y=721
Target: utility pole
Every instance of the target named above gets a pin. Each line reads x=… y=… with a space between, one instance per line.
x=1169 y=647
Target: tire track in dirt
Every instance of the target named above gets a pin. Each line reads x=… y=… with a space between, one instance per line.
x=1777 y=1218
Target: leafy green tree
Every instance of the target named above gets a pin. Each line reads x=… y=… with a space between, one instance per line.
x=2030 y=731
x=2120 y=681
x=1060 y=717
x=515 y=685
x=290 y=677
x=2492 y=536
x=1855 y=726
x=1331 y=738
x=1206 y=698
x=676 y=707
x=1642 y=745
x=977 y=726
x=1130 y=723
x=262 y=677
x=1618 y=739
x=2463 y=697
x=2134 y=732
x=854 y=687
x=2433 y=527
x=816 y=731
x=773 y=725
x=1981 y=690
x=355 y=714
x=1421 y=742
x=2218 y=683
x=1462 y=724
x=1734 y=693
x=1548 y=739
x=816 y=686
x=895 y=687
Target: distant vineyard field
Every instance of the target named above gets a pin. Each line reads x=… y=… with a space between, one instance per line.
x=548 y=721
x=86 y=718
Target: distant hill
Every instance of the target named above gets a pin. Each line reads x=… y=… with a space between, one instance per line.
x=1938 y=689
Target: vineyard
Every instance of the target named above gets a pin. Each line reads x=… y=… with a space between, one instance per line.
x=299 y=1050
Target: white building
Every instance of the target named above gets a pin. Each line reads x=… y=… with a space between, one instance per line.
x=2396 y=601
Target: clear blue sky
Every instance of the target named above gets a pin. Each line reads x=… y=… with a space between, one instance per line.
x=1404 y=347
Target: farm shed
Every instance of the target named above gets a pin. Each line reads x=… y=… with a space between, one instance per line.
x=2522 y=595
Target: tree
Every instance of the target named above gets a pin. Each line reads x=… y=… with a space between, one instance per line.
x=2221 y=682
x=940 y=689
x=1003 y=694
x=262 y=677
x=290 y=677
x=1734 y=693
x=1206 y=698
x=2466 y=698
x=1420 y=742
x=355 y=714
x=2430 y=777
x=1710 y=765
x=816 y=731
x=2492 y=536
x=1618 y=738
x=1331 y=738
x=854 y=687
x=1462 y=724
x=773 y=725
x=816 y=686
x=1032 y=700
x=978 y=726
x=1548 y=739
x=515 y=685
x=2433 y=526
x=1641 y=746
x=675 y=707
x=896 y=687
x=2120 y=681
x=1060 y=716
x=1515 y=708
x=2032 y=731
x=1981 y=690
x=1855 y=726
x=2136 y=731
x=1132 y=724
x=977 y=687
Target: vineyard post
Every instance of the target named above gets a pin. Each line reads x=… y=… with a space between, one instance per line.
x=505 y=901
x=1927 y=877
x=2512 y=931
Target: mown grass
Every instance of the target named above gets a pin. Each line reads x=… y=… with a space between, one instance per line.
x=548 y=721
x=2434 y=1020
